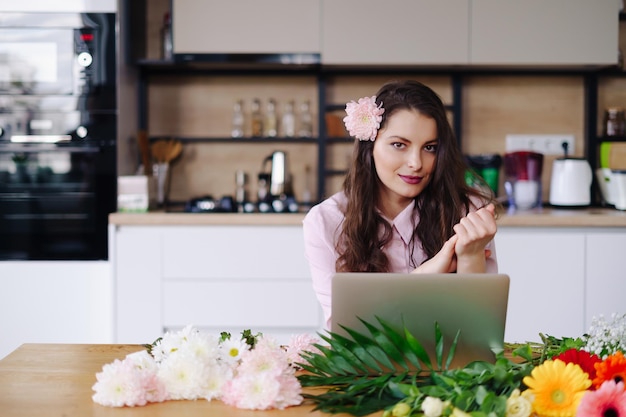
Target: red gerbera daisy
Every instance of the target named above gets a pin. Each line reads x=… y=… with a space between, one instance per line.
x=612 y=368
x=581 y=358
x=608 y=400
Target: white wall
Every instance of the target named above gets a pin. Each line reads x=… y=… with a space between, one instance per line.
x=55 y=302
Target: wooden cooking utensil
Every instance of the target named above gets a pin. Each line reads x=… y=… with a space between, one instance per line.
x=144 y=149
x=166 y=150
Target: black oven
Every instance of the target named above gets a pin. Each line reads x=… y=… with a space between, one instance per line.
x=58 y=129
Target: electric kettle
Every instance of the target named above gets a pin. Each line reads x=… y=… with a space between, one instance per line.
x=280 y=198
x=570 y=184
x=279 y=176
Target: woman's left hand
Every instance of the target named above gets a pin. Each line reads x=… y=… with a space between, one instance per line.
x=474 y=232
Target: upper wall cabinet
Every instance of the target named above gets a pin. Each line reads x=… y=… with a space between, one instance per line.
x=374 y=32
x=540 y=32
x=246 y=26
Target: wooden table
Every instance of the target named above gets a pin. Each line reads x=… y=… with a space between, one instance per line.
x=55 y=380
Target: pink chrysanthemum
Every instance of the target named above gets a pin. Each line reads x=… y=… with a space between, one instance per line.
x=364 y=117
x=608 y=400
x=298 y=344
x=264 y=380
x=130 y=382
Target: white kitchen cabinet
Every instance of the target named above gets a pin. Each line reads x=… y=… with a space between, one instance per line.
x=55 y=302
x=605 y=284
x=236 y=277
x=539 y=32
x=418 y=32
x=476 y=32
x=136 y=256
x=219 y=278
x=246 y=26
x=547 y=271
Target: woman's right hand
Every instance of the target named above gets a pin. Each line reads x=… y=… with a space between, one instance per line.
x=443 y=262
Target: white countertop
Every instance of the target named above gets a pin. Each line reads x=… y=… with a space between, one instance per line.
x=542 y=217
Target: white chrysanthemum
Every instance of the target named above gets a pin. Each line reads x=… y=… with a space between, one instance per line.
x=432 y=407
x=142 y=360
x=218 y=376
x=518 y=405
x=184 y=376
x=169 y=343
x=230 y=350
x=202 y=345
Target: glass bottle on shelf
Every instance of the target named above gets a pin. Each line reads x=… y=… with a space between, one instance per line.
x=271 y=119
x=167 y=46
x=306 y=120
x=256 y=118
x=614 y=123
x=288 y=121
x=238 y=120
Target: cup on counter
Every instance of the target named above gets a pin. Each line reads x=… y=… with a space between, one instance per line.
x=161 y=173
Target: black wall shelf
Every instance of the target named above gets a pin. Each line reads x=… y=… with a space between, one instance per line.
x=590 y=75
x=235 y=141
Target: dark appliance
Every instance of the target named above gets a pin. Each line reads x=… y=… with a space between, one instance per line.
x=58 y=128
x=208 y=204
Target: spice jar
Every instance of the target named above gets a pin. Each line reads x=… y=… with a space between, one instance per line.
x=614 y=122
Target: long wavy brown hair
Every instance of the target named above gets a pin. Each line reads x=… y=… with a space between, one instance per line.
x=440 y=205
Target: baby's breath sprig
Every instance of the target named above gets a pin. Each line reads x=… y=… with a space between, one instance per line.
x=606 y=337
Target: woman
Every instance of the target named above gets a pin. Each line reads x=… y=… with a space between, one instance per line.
x=405 y=205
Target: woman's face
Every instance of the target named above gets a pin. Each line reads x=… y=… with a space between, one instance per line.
x=404 y=155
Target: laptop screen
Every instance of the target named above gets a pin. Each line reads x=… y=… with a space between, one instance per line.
x=475 y=304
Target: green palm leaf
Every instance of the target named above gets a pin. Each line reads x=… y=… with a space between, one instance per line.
x=408 y=350
x=380 y=356
x=417 y=348
x=360 y=368
x=388 y=343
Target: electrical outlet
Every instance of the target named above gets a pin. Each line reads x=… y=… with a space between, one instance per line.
x=544 y=144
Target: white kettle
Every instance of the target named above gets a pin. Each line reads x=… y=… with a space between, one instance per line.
x=570 y=184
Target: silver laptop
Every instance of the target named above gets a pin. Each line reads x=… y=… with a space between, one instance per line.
x=475 y=304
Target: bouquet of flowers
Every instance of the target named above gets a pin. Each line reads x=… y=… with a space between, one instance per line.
x=386 y=370
x=253 y=372
x=566 y=377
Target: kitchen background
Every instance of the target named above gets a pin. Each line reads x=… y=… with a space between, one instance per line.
x=493 y=106
x=188 y=267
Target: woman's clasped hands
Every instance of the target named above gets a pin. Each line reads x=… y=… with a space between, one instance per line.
x=465 y=251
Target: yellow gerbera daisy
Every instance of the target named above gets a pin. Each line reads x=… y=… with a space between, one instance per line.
x=557 y=388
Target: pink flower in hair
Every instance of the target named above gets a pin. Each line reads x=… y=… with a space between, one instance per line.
x=364 y=117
